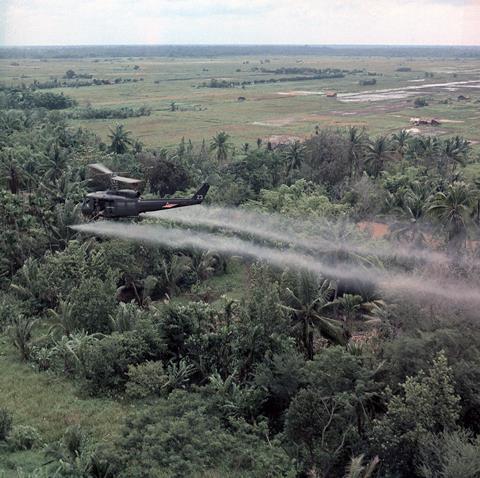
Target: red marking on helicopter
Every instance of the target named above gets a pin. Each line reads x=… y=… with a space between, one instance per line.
x=169 y=205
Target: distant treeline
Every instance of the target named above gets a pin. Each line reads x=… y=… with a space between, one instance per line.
x=326 y=72
x=214 y=83
x=368 y=82
x=25 y=99
x=94 y=51
x=78 y=83
x=108 y=113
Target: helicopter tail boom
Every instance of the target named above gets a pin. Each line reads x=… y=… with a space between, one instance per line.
x=201 y=193
x=150 y=205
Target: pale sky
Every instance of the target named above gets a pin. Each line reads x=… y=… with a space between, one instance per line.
x=68 y=22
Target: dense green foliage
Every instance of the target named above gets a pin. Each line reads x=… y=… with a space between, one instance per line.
x=291 y=374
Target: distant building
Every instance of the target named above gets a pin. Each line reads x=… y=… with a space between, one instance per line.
x=425 y=121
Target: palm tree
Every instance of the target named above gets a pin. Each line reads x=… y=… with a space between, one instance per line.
x=356 y=143
x=452 y=210
x=173 y=271
x=413 y=209
x=20 y=333
x=125 y=318
x=58 y=231
x=425 y=149
x=72 y=349
x=56 y=163
x=221 y=145
x=305 y=303
x=11 y=168
x=63 y=320
x=358 y=469
x=202 y=263
x=378 y=152
x=350 y=305
x=120 y=139
x=456 y=152
x=401 y=140
x=476 y=191
x=28 y=284
x=294 y=156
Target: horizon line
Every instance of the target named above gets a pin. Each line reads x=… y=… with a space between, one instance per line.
x=305 y=45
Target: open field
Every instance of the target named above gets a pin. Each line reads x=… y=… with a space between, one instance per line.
x=286 y=108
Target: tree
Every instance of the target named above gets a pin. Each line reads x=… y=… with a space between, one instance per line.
x=63 y=319
x=221 y=145
x=401 y=141
x=92 y=303
x=327 y=160
x=11 y=169
x=357 y=469
x=357 y=140
x=413 y=209
x=379 y=151
x=294 y=156
x=56 y=163
x=452 y=210
x=350 y=305
x=165 y=175
x=173 y=271
x=309 y=298
x=183 y=434
x=202 y=264
x=321 y=426
x=455 y=151
x=449 y=455
x=426 y=150
x=337 y=371
x=21 y=335
x=420 y=102
x=428 y=405
x=120 y=139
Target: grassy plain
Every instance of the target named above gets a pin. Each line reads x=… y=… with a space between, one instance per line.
x=292 y=108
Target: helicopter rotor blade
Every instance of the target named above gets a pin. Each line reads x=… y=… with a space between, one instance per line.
x=100 y=168
x=123 y=179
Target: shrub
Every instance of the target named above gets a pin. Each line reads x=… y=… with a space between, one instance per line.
x=93 y=304
x=105 y=363
x=20 y=333
x=23 y=437
x=420 y=102
x=181 y=436
x=145 y=380
x=450 y=455
x=427 y=405
x=8 y=310
x=5 y=423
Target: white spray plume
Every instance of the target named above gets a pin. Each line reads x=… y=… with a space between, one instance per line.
x=314 y=235
x=393 y=283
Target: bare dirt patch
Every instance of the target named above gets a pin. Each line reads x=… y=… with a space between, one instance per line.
x=278 y=139
x=377 y=230
x=405 y=92
x=300 y=93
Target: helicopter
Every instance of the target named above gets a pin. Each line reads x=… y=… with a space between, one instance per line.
x=123 y=203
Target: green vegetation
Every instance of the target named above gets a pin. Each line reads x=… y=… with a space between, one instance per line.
x=126 y=359
x=270 y=109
